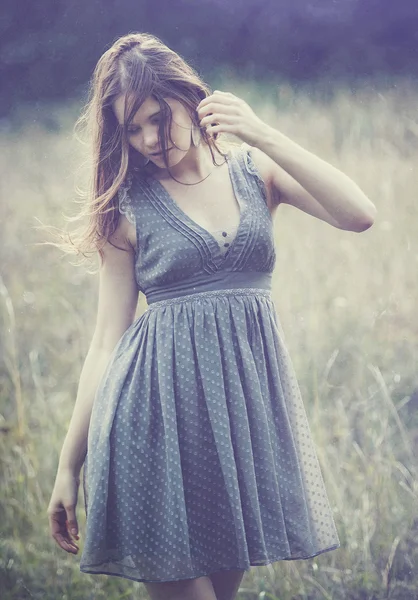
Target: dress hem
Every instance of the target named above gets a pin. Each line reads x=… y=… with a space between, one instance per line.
x=269 y=561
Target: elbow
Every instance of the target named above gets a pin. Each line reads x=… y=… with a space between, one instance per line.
x=366 y=220
x=362 y=225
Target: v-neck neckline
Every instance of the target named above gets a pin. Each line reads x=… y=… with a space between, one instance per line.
x=217 y=255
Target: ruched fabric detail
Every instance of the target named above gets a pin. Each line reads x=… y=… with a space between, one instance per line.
x=253 y=170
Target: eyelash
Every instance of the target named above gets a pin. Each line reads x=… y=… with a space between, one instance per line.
x=133 y=131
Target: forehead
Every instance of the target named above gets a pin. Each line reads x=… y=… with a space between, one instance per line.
x=148 y=107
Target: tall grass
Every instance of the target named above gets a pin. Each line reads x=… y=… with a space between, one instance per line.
x=347 y=303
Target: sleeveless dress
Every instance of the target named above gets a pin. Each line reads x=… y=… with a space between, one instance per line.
x=200 y=457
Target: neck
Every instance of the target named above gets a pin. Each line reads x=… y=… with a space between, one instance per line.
x=195 y=165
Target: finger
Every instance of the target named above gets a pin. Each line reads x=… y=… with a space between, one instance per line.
x=204 y=101
x=56 y=518
x=57 y=522
x=71 y=523
x=65 y=544
x=214 y=107
x=216 y=96
x=60 y=533
x=224 y=93
x=72 y=529
x=223 y=100
x=224 y=128
x=216 y=120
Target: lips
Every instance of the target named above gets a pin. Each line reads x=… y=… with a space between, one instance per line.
x=159 y=153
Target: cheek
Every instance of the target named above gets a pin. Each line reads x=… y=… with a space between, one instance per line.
x=180 y=130
x=134 y=142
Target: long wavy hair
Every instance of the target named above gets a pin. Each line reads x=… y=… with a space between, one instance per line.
x=137 y=65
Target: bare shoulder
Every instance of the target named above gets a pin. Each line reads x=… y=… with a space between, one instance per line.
x=124 y=236
x=117 y=254
x=118 y=290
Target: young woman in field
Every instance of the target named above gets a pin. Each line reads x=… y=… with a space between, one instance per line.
x=198 y=460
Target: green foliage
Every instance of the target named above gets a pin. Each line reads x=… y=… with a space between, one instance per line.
x=347 y=303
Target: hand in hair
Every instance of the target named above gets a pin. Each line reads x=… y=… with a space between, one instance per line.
x=224 y=112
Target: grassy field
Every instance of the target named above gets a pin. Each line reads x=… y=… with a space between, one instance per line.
x=347 y=303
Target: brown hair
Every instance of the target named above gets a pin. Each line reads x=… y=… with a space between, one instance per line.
x=138 y=65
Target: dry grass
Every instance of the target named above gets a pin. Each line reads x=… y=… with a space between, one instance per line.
x=347 y=303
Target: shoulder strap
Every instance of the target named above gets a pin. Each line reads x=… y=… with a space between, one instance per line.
x=252 y=169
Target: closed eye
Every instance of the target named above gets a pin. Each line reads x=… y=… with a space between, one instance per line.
x=154 y=121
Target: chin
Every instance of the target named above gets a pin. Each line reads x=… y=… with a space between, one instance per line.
x=160 y=159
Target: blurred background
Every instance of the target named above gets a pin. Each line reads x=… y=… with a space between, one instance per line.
x=339 y=78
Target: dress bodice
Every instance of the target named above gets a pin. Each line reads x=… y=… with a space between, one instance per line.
x=174 y=254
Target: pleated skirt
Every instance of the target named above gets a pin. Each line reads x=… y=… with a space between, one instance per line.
x=200 y=457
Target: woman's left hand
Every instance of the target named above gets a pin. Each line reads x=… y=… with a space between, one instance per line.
x=230 y=115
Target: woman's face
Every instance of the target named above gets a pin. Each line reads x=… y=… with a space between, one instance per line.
x=143 y=131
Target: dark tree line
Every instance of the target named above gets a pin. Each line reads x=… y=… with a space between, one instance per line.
x=48 y=48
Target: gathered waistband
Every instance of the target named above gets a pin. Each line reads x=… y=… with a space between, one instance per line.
x=210 y=294
x=222 y=281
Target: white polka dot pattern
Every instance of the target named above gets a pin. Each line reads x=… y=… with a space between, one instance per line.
x=200 y=456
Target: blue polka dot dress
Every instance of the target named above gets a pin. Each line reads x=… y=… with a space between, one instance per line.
x=200 y=457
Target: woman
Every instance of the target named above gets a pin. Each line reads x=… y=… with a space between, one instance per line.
x=198 y=461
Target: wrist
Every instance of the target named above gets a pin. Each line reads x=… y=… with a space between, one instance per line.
x=71 y=469
x=73 y=454
x=264 y=136
x=67 y=475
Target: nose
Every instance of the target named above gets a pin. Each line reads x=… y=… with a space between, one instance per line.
x=150 y=139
